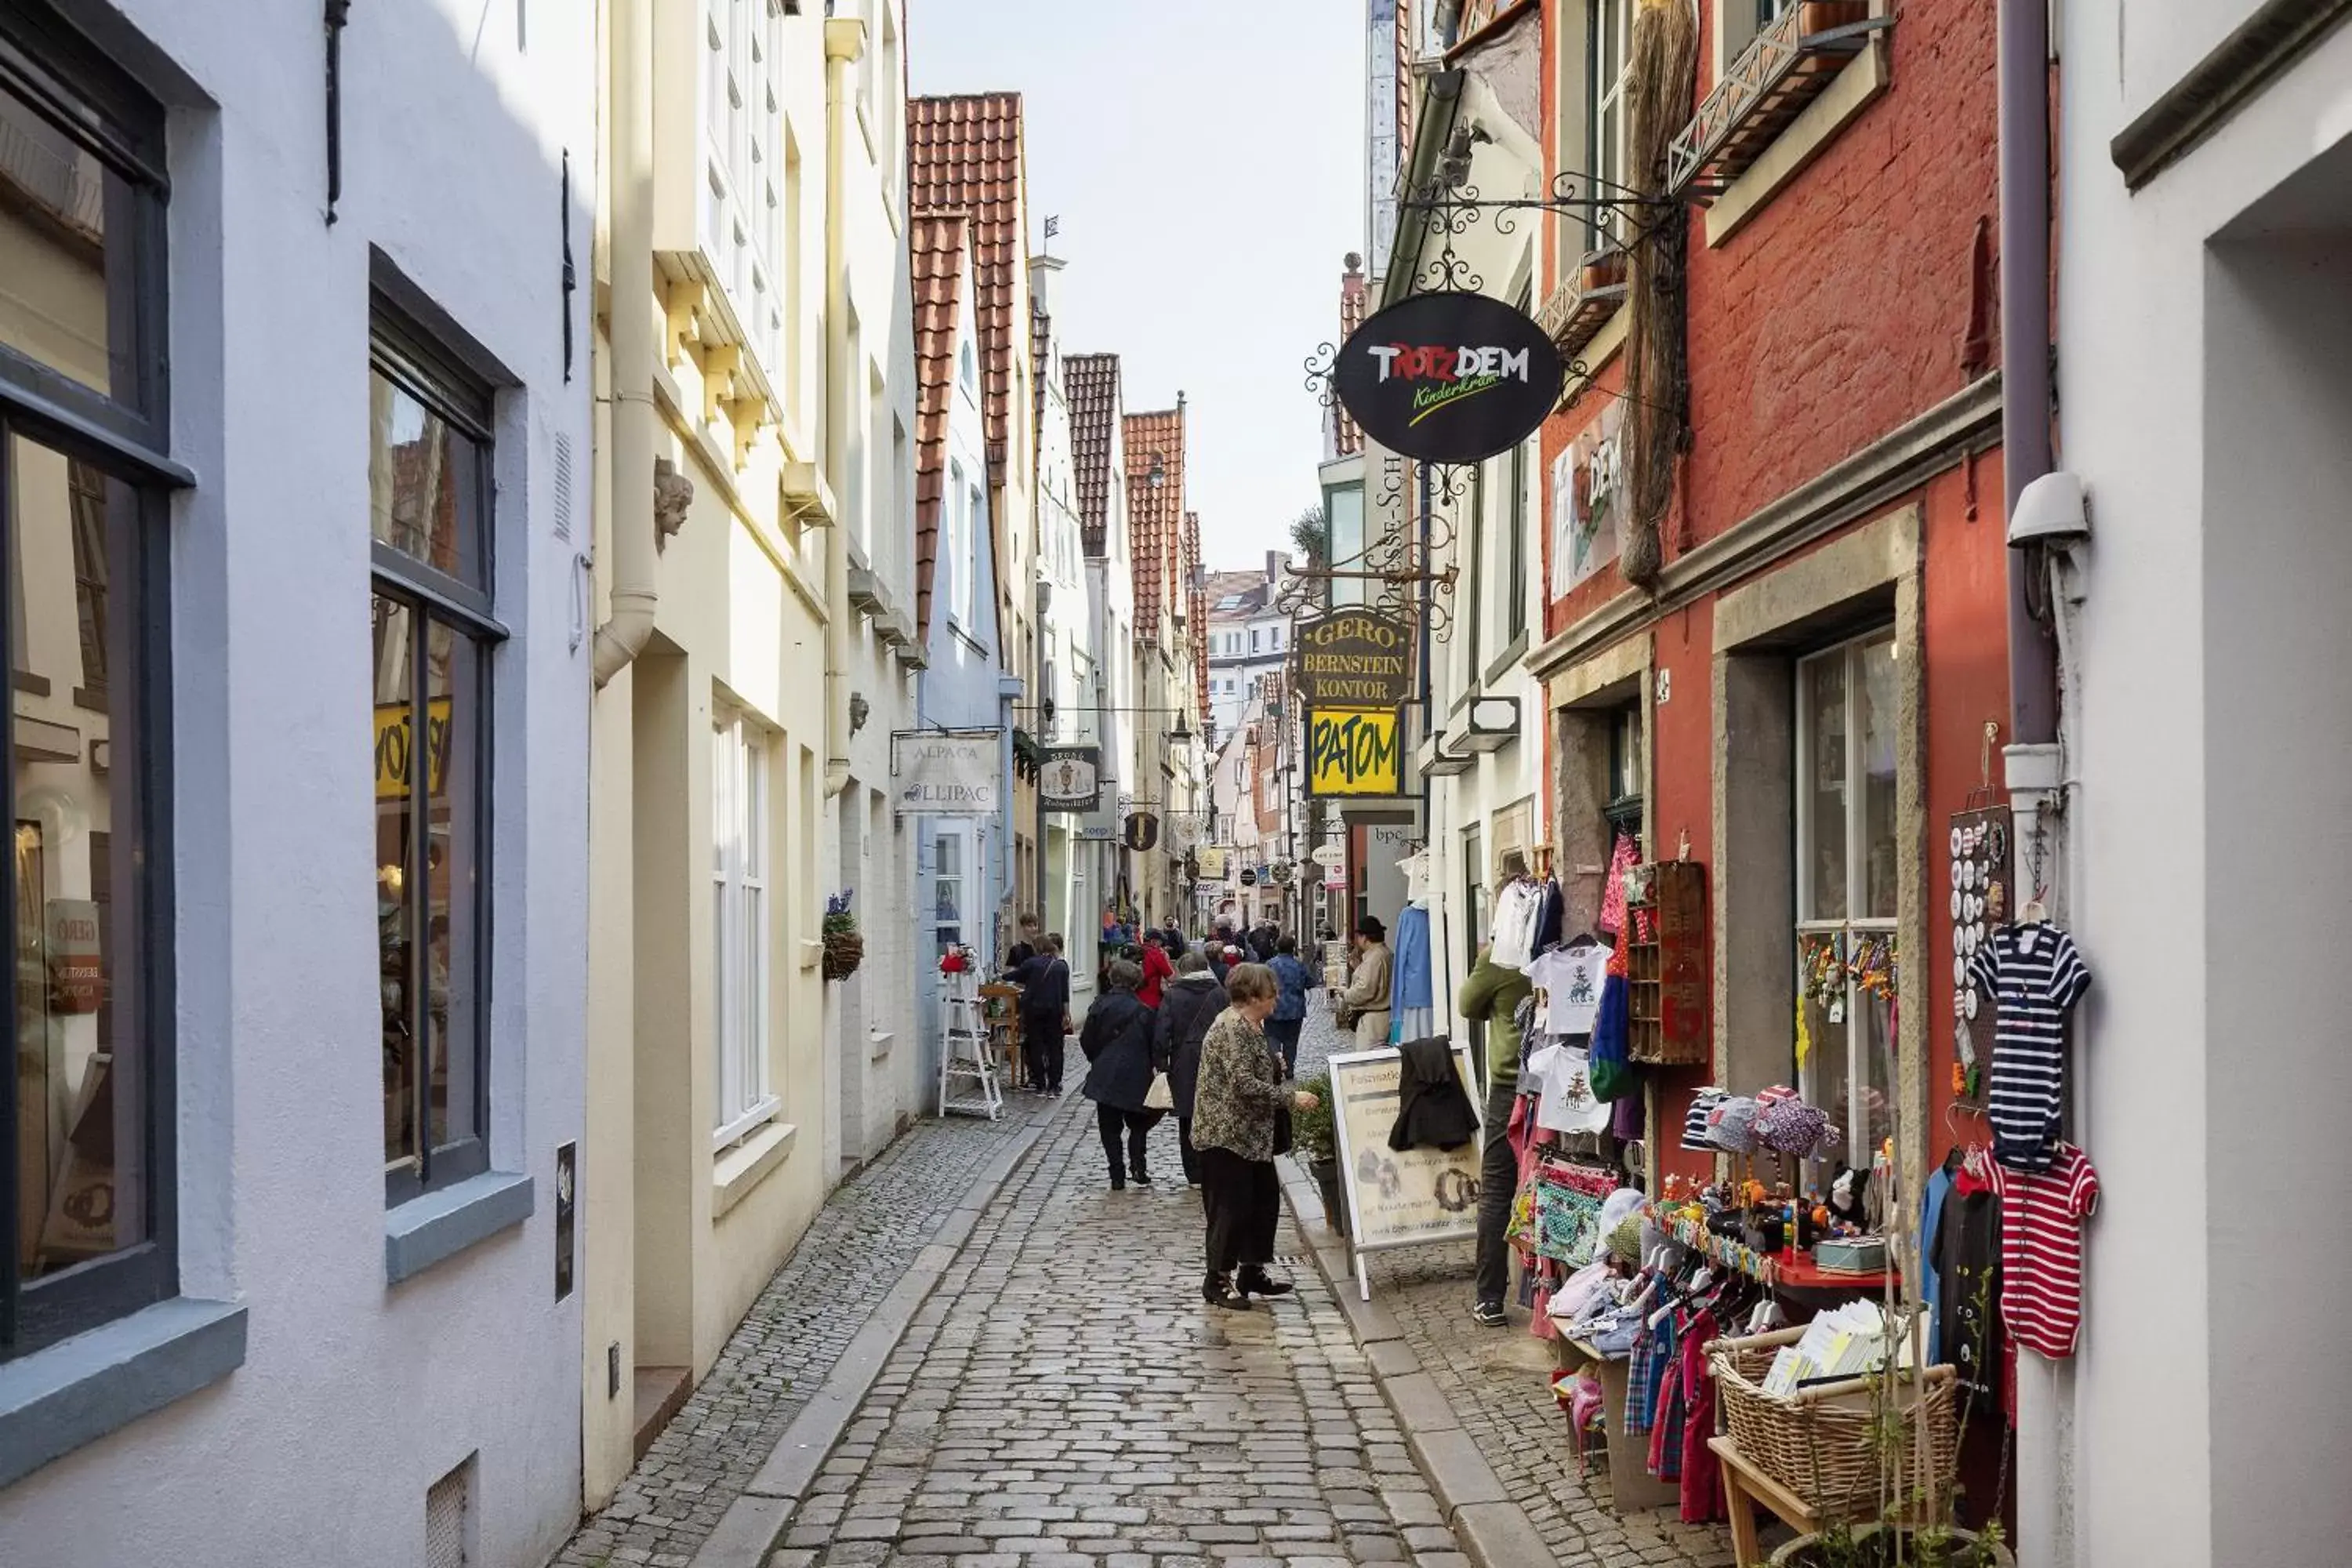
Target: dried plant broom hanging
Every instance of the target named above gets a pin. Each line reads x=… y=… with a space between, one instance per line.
x=1659 y=74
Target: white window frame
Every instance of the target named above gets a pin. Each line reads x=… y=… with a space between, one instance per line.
x=1859 y=1002
x=1604 y=101
x=957 y=529
x=966 y=838
x=741 y=878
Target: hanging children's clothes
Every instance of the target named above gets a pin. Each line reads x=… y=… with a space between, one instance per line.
x=1410 y=1017
x=1622 y=858
x=2031 y=974
x=1931 y=1273
x=1966 y=1259
x=1516 y=909
x=1569 y=977
x=1702 y=1484
x=2041 y=1217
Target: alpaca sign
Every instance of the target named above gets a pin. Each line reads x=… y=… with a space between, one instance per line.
x=1448 y=378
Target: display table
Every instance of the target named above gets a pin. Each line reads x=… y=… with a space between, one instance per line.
x=1631 y=1486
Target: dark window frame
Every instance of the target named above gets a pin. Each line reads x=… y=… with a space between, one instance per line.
x=417 y=348
x=103 y=110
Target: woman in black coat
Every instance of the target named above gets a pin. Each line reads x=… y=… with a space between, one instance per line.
x=1116 y=1040
x=1188 y=1006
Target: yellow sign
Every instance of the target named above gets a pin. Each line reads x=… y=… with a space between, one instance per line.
x=1397 y=1197
x=394 y=744
x=1354 y=751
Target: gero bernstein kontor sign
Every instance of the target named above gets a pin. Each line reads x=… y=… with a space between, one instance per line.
x=1353 y=658
x=1448 y=378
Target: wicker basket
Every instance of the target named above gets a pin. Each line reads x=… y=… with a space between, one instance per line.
x=843 y=952
x=1817 y=1441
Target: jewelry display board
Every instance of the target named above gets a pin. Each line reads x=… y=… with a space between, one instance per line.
x=1981 y=888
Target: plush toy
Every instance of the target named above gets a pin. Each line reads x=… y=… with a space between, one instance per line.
x=1846 y=1195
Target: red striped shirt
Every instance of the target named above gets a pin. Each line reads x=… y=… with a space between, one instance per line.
x=2041 y=1216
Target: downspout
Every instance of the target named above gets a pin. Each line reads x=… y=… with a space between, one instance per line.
x=844 y=40
x=634 y=598
x=2045 y=1415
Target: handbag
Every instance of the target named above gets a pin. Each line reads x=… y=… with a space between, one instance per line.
x=1068 y=1027
x=1282 y=1130
x=1159 y=1097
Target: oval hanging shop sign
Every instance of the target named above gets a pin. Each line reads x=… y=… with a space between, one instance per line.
x=1448 y=378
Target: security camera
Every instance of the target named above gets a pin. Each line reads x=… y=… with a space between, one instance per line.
x=2051 y=512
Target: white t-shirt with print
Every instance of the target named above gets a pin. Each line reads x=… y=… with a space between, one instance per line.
x=1570 y=978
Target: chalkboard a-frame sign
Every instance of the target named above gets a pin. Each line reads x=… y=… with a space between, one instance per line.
x=1448 y=378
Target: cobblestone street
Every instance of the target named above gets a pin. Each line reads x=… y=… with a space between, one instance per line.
x=1066 y=1401
x=862 y=1240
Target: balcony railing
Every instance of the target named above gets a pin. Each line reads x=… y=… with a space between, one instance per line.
x=1785 y=68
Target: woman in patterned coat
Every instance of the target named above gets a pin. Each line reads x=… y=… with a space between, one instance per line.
x=1237 y=1100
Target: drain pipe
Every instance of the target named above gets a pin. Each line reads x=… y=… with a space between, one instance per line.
x=845 y=41
x=2045 y=1415
x=635 y=557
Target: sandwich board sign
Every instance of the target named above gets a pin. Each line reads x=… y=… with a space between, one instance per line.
x=1409 y=1197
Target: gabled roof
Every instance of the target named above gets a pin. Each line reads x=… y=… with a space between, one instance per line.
x=1155 y=517
x=1347 y=436
x=964 y=153
x=936 y=246
x=1091 y=383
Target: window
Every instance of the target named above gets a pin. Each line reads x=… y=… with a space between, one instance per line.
x=1739 y=22
x=85 y=1110
x=968 y=371
x=951 y=863
x=432 y=635
x=956 y=524
x=1846 y=886
x=1624 y=810
x=1611 y=41
x=738 y=924
x=1252 y=640
x=976 y=512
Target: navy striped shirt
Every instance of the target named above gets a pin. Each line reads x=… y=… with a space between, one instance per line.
x=2031 y=974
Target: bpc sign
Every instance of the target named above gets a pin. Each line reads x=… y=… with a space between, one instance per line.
x=1448 y=378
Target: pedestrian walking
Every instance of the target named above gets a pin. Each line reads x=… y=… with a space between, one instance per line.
x=1492 y=993
x=1364 y=1005
x=1027 y=932
x=1237 y=1104
x=1187 y=1007
x=1118 y=1044
x=1289 y=1015
x=1044 y=980
x=1156 y=969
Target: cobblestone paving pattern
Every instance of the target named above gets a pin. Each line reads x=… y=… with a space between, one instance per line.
x=1498 y=1381
x=1066 y=1400
x=860 y=1243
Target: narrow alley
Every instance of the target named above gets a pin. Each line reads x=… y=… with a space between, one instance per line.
x=1060 y=1396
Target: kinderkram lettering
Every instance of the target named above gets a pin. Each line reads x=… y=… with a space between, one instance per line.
x=1449 y=378
x=1354 y=752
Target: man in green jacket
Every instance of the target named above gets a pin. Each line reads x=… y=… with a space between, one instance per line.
x=1491 y=996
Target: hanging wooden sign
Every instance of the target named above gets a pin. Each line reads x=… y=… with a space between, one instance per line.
x=1353 y=658
x=1355 y=752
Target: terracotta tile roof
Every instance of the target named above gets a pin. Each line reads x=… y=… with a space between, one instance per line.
x=1347 y=436
x=935 y=250
x=965 y=153
x=1091 y=383
x=1189 y=584
x=1155 y=517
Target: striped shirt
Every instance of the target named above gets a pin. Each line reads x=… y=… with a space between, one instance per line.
x=2031 y=974
x=2042 y=1219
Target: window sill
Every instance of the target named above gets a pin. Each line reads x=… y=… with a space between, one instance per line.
x=1856 y=87
x=745 y=1167
x=439 y=1225
x=78 y=1390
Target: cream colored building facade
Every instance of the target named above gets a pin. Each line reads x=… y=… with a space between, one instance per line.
x=753 y=376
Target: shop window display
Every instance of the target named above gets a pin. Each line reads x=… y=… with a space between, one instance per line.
x=1846 y=885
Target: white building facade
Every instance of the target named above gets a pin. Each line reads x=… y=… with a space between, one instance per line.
x=2204 y=333
x=299 y=735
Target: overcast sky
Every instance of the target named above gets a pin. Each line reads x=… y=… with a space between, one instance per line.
x=1206 y=163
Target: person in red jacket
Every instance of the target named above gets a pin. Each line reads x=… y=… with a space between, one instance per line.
x=1156 y=968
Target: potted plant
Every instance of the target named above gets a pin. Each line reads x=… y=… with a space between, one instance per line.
x=844 y=950
x=1318 y=1146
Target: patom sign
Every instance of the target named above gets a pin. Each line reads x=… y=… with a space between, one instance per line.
x=1355 y=752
